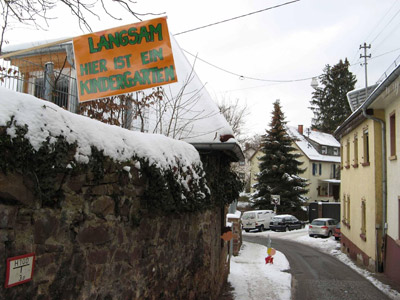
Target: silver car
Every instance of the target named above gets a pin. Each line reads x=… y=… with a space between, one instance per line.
x=322 y=227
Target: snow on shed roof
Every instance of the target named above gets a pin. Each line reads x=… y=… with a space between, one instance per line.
x=309 y=150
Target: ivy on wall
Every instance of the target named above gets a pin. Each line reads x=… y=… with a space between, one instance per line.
x=165 y=193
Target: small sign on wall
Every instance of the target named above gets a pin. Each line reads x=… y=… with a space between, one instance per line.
x=19 y=269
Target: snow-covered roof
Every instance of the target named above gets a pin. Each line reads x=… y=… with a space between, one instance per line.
x=45 y=120
x=29 y=45
x=309 y=150
x=322 y=138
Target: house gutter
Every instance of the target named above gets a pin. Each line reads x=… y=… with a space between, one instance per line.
x=378 y=91
x=233 y=148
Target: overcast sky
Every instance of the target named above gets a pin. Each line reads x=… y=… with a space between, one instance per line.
x=288 y=43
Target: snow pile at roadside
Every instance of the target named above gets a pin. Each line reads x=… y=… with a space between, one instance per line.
x=330 y=246
x=251 y=278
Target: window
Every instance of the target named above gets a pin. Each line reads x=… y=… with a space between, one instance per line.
x=347 y=154
x=341 y=156
x=366 y=147
x=324 y=150
x=39 y=88
x=60 y=92
x=335 y=151
x=241 y=176
x=314 y=169
x=355 y=159
x=363 y=219
x=348 y=209
x=320 y=169
x=392 y=135
x=241 y=163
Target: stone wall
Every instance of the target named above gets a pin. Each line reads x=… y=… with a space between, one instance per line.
x=98 y=242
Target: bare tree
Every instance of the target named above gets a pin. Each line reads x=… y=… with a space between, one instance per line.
x=37 y=13
x=176 y=114
x=253 y=142
x=235 y=114
x=171 y=112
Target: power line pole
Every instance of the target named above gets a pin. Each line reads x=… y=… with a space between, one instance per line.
x=365 y=56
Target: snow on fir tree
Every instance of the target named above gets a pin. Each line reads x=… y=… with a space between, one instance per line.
x=279 y=169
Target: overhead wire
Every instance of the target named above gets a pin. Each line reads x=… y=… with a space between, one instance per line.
x=356 y=56
x=387 y=24
x=237 y=17
x=241 y=76
x=277 y=81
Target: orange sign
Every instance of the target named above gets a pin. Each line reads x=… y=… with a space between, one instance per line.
x=124 y=59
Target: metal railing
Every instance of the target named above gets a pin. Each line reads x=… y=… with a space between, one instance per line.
x=42 y=81
x=389 y=70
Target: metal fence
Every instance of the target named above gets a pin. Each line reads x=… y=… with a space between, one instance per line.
x=389 y=70
x=42 y=81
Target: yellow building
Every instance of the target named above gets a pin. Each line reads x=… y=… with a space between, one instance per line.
x=370 y=191
x=320 y=154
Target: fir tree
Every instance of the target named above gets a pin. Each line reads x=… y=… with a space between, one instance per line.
x=329 y=102
x=279 y=169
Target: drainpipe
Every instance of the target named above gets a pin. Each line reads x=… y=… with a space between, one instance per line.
x=380 y=264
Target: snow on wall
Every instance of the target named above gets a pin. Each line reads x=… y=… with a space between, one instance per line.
x=47 y=120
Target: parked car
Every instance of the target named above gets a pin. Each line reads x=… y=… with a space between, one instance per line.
x=285 y=223
x=257 y=219
x=322 y=227
x=337 y=232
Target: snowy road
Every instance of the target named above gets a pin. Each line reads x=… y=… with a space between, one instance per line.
x=251 y=278
x=317 y=275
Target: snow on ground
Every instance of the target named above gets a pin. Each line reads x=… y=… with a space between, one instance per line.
x=330 y=246
x=252 y=279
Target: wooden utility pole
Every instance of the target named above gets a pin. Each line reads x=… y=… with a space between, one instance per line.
x=365 y=56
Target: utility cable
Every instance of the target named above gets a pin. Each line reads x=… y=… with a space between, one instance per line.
x=246 y=77
x=387 y=24
x=356 y=56
x=380 y=21
x=238 y=17
x=242 y=77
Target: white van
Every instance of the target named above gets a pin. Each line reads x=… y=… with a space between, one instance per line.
x=257 y=219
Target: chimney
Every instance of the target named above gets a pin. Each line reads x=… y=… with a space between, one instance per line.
x=300 y=129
